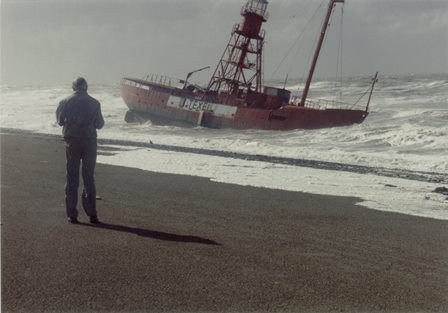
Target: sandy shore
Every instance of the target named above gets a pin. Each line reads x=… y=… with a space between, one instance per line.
x=184 y=244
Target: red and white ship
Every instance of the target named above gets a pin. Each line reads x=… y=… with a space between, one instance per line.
x=235 y=96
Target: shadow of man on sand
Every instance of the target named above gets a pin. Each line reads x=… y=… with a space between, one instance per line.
x=153 y=234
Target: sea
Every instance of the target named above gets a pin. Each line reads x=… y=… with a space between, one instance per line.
x=394 y=161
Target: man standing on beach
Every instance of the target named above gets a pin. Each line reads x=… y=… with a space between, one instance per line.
x=80 y=115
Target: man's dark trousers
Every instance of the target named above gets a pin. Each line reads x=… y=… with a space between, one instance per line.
x=80 y=151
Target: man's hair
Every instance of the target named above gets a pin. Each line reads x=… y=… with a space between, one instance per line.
x=79 y=84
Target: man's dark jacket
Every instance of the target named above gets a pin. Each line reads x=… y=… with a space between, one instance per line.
x=80 y=115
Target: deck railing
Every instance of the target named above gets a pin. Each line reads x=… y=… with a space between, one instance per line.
x=260 y=11
x=161 y=80
x=323 y=104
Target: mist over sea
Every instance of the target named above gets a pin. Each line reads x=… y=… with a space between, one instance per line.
x=407 y=127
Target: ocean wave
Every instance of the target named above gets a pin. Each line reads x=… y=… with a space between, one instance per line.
x=406 y=127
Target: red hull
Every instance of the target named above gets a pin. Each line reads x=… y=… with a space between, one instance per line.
x=156 y=101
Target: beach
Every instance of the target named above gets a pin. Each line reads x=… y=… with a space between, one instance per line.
x=174 y=243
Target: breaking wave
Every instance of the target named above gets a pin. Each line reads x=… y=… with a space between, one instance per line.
x=407 y=127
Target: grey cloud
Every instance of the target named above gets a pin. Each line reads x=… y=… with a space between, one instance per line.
x=49 y=41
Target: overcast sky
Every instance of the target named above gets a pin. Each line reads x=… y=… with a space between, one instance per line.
x=53 y=41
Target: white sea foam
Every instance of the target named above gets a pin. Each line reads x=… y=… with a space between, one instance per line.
x=406 y=129
x=376 y=192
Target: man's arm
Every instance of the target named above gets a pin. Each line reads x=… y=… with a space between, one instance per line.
x=99 y=121
x=59 y=115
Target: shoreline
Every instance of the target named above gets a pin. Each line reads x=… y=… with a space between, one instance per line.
x=422 y=176
x=179 y=243
x=377 y=192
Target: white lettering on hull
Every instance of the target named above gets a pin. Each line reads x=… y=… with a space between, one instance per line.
x=200 y=105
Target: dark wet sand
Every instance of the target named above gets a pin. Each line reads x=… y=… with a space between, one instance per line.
x=184 y=244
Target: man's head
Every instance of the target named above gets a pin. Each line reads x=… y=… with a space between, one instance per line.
x=79 y=84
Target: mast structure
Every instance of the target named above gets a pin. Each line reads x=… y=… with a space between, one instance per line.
x=317 y=51
x=374 y=81
x=240 y=66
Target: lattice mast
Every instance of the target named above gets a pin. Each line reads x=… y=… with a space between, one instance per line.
x=240 y=66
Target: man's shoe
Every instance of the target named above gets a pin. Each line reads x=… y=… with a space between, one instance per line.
x=94 y=220
x=73 y=220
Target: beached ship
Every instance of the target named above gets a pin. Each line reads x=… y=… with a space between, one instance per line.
x=235 y=96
